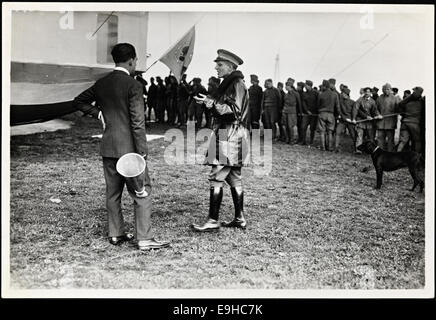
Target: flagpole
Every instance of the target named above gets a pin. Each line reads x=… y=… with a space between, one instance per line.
x=174 y=43
x=151 y=65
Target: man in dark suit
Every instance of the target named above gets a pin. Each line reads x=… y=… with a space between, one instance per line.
x=120 y=105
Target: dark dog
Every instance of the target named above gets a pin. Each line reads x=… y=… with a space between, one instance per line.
x=391 y=161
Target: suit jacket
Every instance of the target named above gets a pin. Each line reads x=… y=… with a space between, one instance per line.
x=119 y=97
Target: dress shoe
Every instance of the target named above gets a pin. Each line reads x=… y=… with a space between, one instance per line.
x=120 y=239
x=235 y=223
x=152 y=244
x=209 y=226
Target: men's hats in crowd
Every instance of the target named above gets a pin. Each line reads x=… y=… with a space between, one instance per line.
x=346 y=91
x=418 y=90
x=290 y=80
x=375 y=89
x=196 y=80
x=385 y=86
x=280 y=84
x=395 y=90
x=214 y=80
x=300 y=84
x=224 y=55
x=309 y=83
x=325 y=83
x=253 y=77
x=332 y=81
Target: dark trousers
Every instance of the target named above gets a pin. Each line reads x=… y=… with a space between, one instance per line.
x=160 y=110
x=171 y=110
x=300 y=128
x=410 y=131
x=183 y=110
x=270 y=117
x=151 y=105
x=306 y=121
x=199 y=109
x=208 y=116
x=340 y=130
x=141 y=206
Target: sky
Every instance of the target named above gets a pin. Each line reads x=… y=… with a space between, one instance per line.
x=392 y=45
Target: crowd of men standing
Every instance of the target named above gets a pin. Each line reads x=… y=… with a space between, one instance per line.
x=290 y=112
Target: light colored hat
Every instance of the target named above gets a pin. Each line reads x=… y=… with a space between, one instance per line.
x=224 y=55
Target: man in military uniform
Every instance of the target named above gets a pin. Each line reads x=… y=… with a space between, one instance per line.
x=270 y=104
x=228 y=149
x=182 y=101
x=346 y=105
x=160 y=100
x=386 y=105
x=412 y=111
x=364 y=111
x=290 y=112
x=152 y=99
x=212 y=89
x=328 y=106
x=255 y=99
x=280 y=111
x=310 y=112
x=300 y=112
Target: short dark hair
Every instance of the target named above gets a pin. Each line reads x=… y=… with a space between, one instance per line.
x=122 y=52
x=407 y=91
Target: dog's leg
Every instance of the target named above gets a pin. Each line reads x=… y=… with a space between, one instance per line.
x=416 y=180
x=379 y=173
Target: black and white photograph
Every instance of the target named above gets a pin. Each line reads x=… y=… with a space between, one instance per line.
x=217 y=150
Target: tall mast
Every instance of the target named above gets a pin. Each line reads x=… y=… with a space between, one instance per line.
x=277 y=69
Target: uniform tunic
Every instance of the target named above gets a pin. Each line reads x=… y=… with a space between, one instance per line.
x=229 y=141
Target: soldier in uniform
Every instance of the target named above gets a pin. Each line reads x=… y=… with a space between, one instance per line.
x=197 y=107
x=310 y=112
x=328 y=106
x=228 y=149
x=152 y=99
x=300 y=112
x=182 y=100
x=365 y=109
x=212 y=89
x=280 y=111
x=255 y=99
x=160 y=100
x=412 y=125
x=386 y=105
x=346 y=105
x=290 y=112
x=270 y=104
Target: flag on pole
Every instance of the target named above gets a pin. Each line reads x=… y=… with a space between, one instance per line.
x=179 y=56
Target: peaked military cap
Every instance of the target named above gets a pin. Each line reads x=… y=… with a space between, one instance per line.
x=224 y=55
x=254 y=77
x=332 y=81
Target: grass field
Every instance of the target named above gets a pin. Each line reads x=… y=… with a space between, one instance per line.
x=314 y=222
